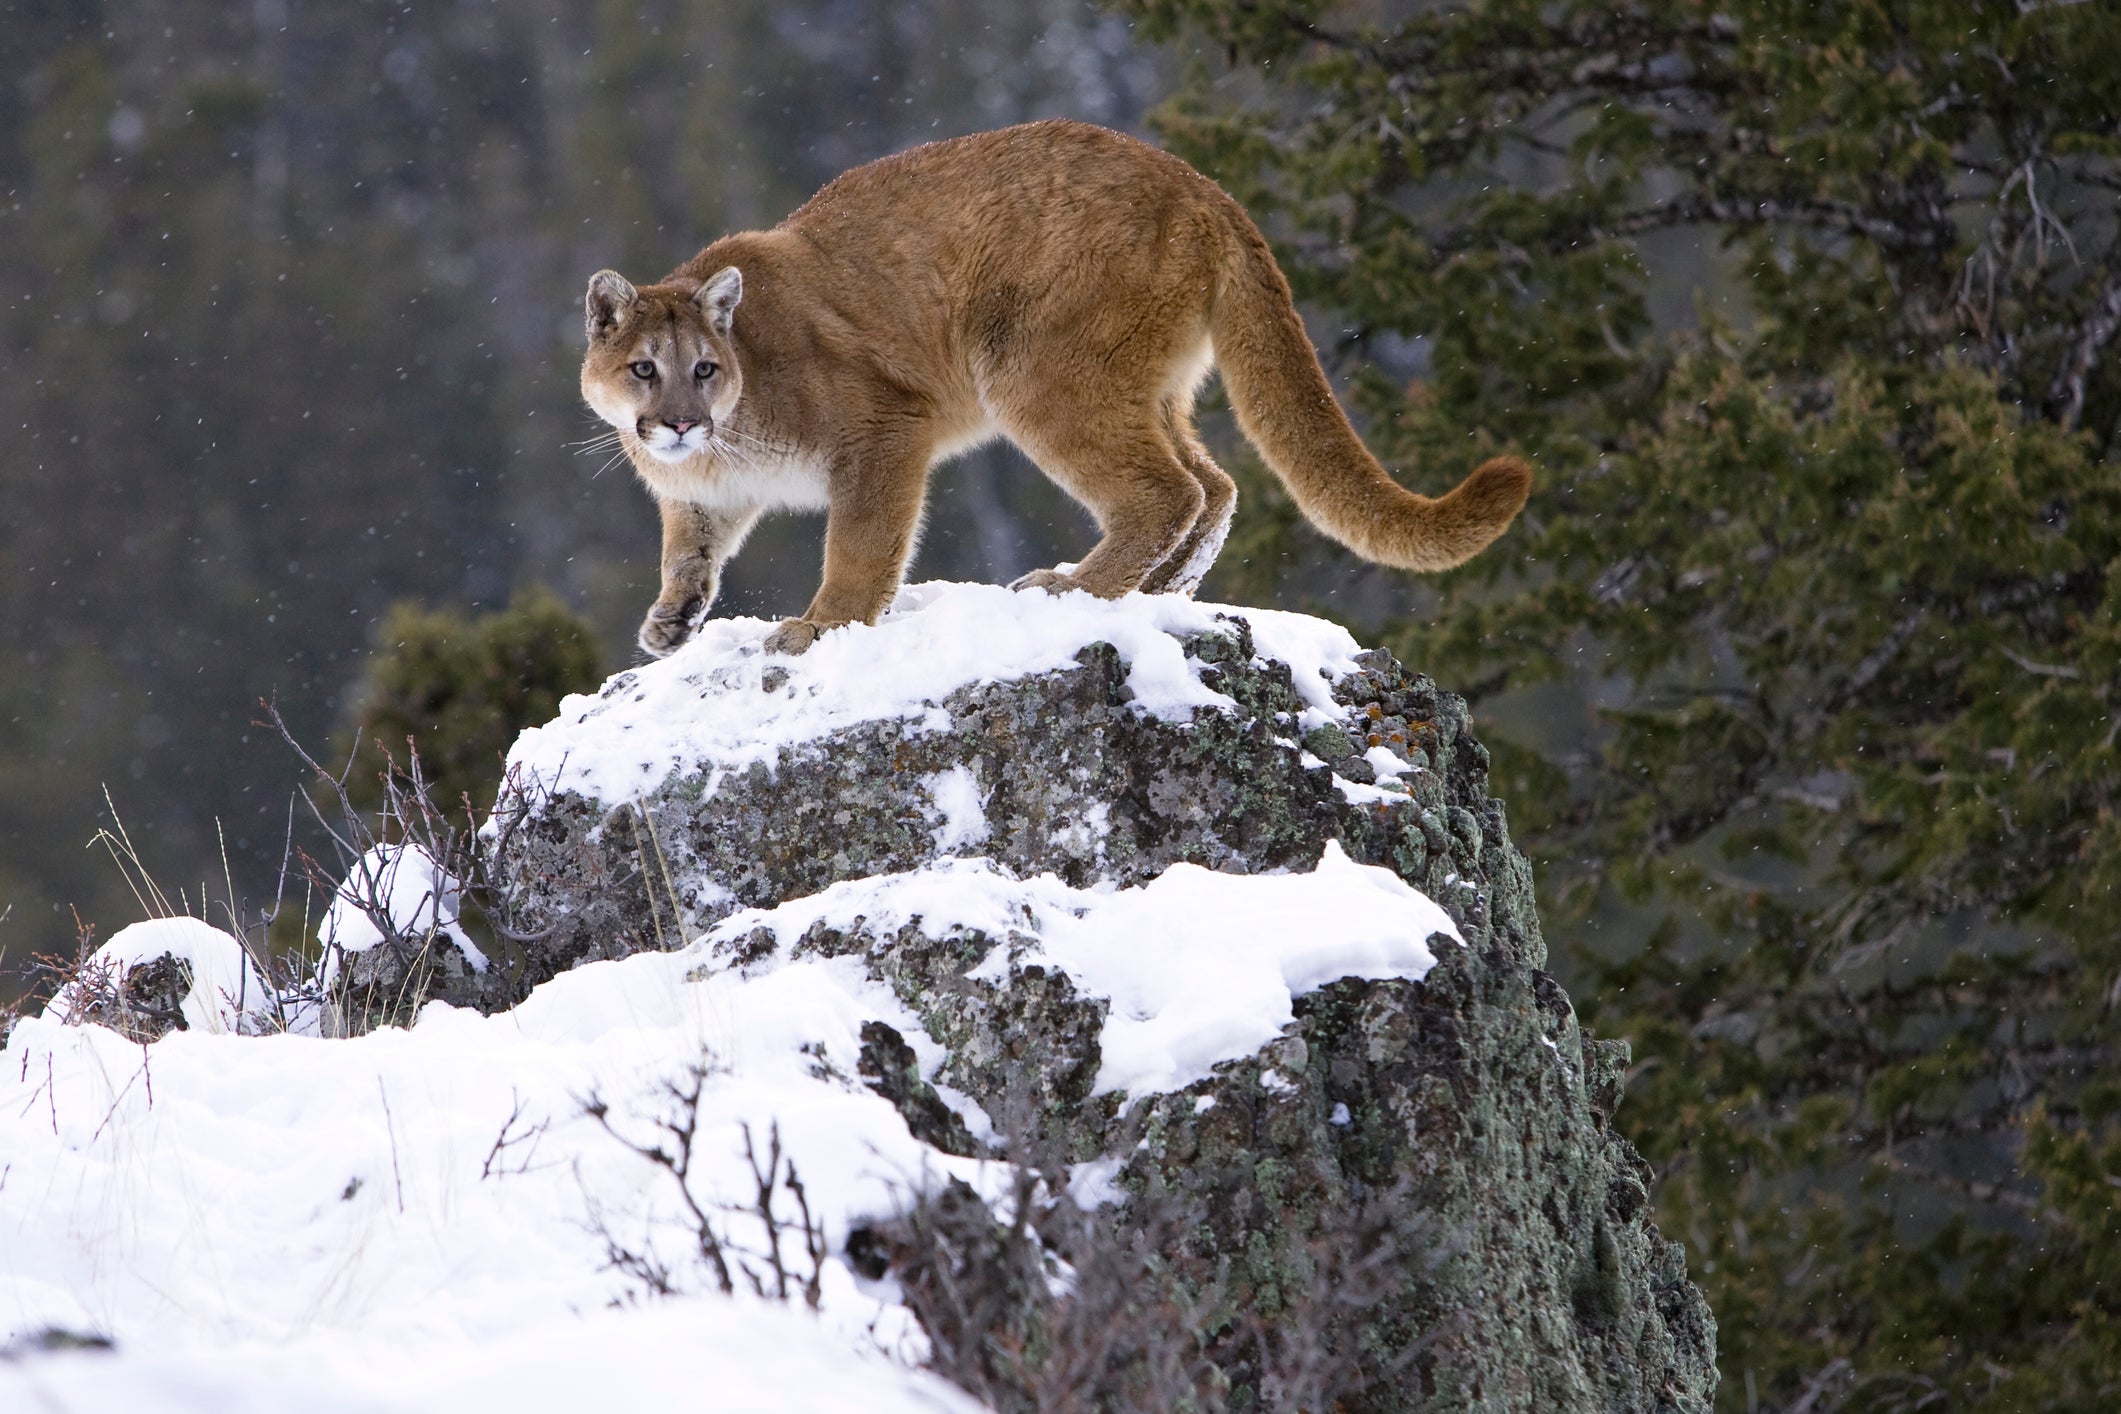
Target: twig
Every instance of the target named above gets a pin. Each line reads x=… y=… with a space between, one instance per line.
x=771 y=1279
x=654 y=917
x=154 y=903
x=677 y=916
x=390 y=1127
x=504 y=1141
x=813 y=1235
x=1816 y=1386
x=2045 y=670
x=119 y=1098
x=764 y=1182
x=676 y=1160
x=2093 y=335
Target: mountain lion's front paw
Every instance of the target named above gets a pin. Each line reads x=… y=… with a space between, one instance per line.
x=669 y=627
x=794 y=636
x=1052 y=581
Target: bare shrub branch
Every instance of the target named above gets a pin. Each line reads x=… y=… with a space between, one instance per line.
x=673 y=1147
x=409 y=819
x=498 y=1157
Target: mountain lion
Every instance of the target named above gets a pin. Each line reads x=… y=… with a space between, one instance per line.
x=1063 y=286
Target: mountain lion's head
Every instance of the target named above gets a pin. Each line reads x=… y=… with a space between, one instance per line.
x=660 y=363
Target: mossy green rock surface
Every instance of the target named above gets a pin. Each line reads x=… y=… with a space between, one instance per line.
x=1468 y=1108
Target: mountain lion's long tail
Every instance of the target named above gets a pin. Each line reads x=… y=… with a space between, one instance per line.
x=1285 y=407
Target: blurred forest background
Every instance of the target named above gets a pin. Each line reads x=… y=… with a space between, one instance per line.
x=290 y=318
x=1799 y=672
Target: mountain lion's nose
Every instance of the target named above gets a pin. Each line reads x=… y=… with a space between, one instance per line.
x=681 y=425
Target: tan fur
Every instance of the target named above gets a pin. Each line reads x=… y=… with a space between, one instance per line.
x=1063 y=286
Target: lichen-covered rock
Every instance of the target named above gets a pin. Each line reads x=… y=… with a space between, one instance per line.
x=1467 y=1107
x=143 y=1002
x=387 y=983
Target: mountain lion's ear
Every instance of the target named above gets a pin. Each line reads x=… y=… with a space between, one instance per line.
x=718 y=298
x=610 y=296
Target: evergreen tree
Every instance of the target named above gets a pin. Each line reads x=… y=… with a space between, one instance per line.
x=1831 y=546
x=454 y=690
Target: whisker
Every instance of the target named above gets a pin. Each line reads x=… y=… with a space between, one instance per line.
x=762 y=451
x=726 y=449
x=734 y=453
x=754 y=440
x=595 y=444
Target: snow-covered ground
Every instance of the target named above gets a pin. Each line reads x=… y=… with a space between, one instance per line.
x=420 y=1219
x=285 y=1222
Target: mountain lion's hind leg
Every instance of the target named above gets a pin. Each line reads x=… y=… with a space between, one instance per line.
x=1126 y=471
x=696 y=542
x=1182 y=570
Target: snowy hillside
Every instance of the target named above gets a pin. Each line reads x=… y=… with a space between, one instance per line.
x=427 y=1218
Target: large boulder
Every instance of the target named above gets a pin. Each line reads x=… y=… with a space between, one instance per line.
x=1034 y=818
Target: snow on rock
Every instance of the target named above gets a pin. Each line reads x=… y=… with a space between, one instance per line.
x=1197 y=968
x=1204 y=968
x=391 y=941
x=214 y=988
x=935 y=639
x=402 y=885
x=404 y=1218
x=956 y=794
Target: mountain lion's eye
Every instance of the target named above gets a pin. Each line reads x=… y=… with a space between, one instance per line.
x=644 y=370
x=703 y=370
